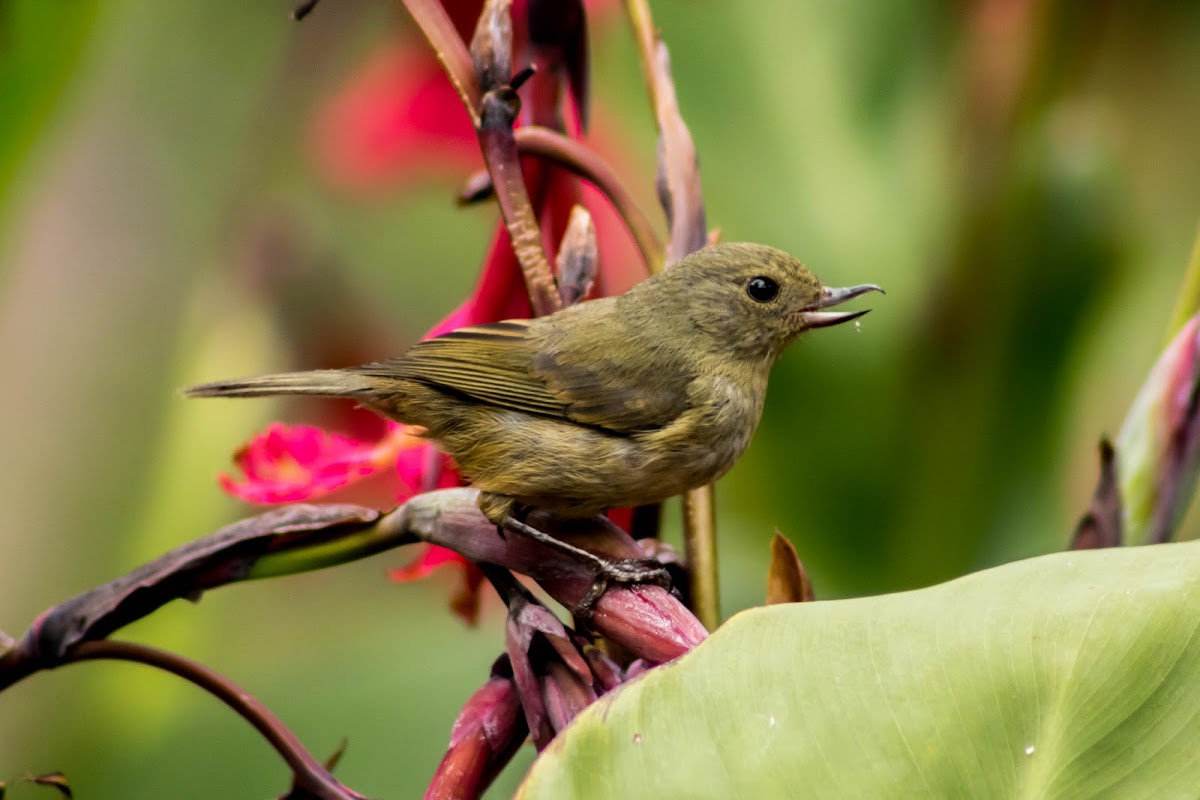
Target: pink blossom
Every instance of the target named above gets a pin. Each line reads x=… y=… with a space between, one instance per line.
x=291 y=463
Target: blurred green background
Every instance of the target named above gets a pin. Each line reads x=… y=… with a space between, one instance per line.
x=1022 y=177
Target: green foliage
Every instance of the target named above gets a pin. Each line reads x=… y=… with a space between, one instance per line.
x=1066 y=676
x=40 y=45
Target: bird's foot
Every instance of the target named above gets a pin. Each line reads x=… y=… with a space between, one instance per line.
x=627 y=571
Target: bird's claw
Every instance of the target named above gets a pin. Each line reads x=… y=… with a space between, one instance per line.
x=607 y=570
x=621 y=571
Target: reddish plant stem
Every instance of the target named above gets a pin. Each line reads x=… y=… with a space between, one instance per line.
x=438 y=29
x=309 y=773
x=581 y=160
x=499 y=147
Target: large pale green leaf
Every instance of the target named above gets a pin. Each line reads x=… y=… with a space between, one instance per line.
x=1074 y=675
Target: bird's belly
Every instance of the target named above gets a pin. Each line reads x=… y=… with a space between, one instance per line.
x=581 y=471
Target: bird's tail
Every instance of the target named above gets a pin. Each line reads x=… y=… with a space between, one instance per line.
x=323 y=382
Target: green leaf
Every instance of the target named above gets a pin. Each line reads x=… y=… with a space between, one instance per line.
x=1068 y=676
x=40 y=45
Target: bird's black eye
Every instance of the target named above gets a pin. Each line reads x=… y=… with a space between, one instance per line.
x=762 y=289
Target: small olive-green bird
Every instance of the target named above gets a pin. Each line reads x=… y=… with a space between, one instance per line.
x=616 y=402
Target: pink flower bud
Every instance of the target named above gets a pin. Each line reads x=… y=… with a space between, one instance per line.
x=1159 y=443
x=487 y=733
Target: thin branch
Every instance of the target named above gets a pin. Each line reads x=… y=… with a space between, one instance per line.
x=700 y=552
x=491 y=55
x=438 y=29
x=645 y=35
x=310 y=774
x=586 y=163
x=499 y=147
x=682 y=199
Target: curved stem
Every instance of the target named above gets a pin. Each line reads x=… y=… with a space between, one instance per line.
x=310 y=774
x=644 y=35
x=438 y=29
x=584 y=162
x=332 y=552
x=498 y=144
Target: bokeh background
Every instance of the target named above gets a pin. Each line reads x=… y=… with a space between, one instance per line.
x=1022 y=176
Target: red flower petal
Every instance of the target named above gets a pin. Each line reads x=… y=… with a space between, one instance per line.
x=292 y=463
x=399 y=115
x=465 y=602
x=430 y=559
x=287 y=464
x=499 y=294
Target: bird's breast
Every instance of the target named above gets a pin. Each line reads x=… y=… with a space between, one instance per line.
x=578 y=469
x=708 y=438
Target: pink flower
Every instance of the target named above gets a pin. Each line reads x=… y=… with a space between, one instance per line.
x=397 y=118
x=465 y=601
x=287 y=464
x=294 y=463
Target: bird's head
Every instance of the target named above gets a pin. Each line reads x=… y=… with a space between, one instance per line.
x=751 y=299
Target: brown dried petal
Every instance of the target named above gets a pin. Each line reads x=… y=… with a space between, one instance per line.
x=787 y=581
x=491 y=46
x=678 y=166
x=1101 y=525
x=577 y=257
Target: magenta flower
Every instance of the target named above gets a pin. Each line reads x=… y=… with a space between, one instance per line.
x=297 y=463
x=293 y=463
x=396 y=119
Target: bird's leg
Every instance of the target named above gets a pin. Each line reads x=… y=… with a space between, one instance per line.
x=617 y=570
x=608 y=570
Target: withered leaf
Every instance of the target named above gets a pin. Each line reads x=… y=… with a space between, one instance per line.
x=787 y=581
x=1101 y=525
x=222 y=557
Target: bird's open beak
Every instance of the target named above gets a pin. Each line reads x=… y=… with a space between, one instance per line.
x=822 y=319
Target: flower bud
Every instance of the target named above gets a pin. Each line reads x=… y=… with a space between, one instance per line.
x=487 y=733
x=1159 y=443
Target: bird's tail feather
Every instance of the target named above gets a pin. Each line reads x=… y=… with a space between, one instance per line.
x=323 y=382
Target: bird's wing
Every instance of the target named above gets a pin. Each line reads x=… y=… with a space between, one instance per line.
x=631 y=389
x=509 y=365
